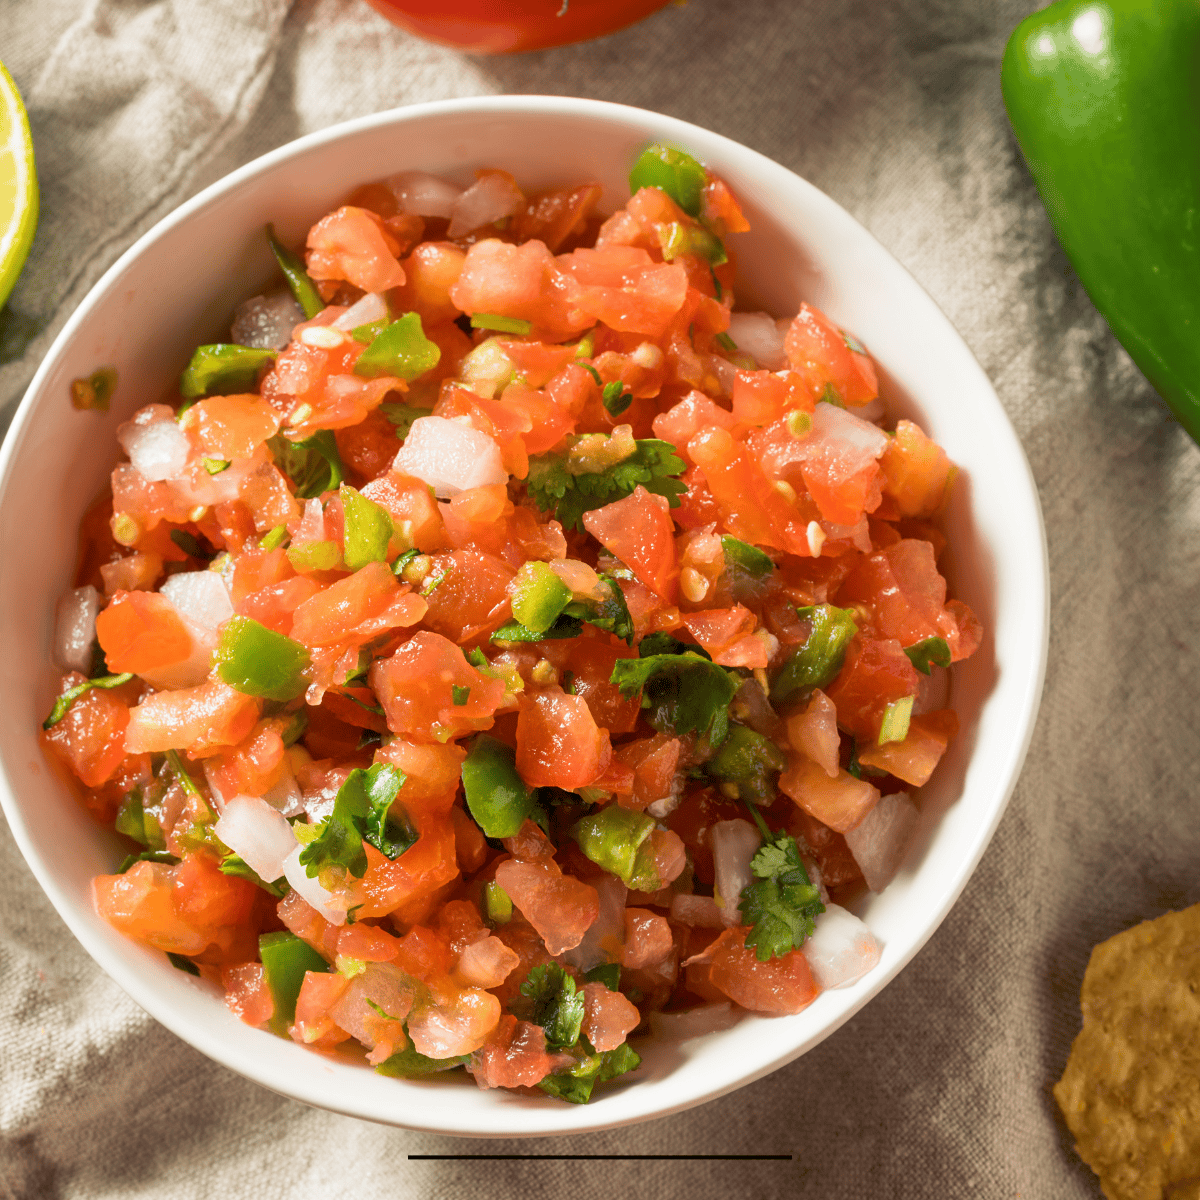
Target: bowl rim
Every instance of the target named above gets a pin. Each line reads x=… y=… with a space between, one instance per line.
x=521 y=1120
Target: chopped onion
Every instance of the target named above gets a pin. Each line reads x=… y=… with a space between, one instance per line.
x=450 y=457
x=199 y=595
x=424 y=194
x=734 y=843
x=695 y=1022
x=326 y=903
x=878 y=841
x=251 y=828
x=841 y=950
x=833 y=424
x=371 y=307
x=760 y=336
x=75 y=628
x=284 y=795
x=489 y=198
x=157 y=450
x=607 y=932
x=266 y=322
x=701 y=911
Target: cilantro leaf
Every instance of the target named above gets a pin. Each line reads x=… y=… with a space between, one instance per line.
x=611 y=614
x=683 y=692
x=575 y=1084
x=654 y=464
x=514 y=631
x=615 y=398
x=402 y=416
x=361 y=813
x=556 y=1006
x=932 y=651
x=313 y=465
x=234 y=864
x=782 y=904
x=182 y=963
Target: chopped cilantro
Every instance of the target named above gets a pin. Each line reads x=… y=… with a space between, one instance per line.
x=726 y=343
x=411 y=1064
x=460 y=694
x=234 y=864
x=608 y=974
x=361 y=813
x=298 y=280
x=746 y=557
x=575 y=1085
x=513 y=631
x=782 y=904
x=852 y=343
x=555 y=1004
x=683 y=692
x=402 y=416
x=593 y=373
x=70 y=696
x=615 y=398
x=654 y=464
x=182 y=963
x=156 y=856
x=313 y=465
x=187 y=543
x=933 y=651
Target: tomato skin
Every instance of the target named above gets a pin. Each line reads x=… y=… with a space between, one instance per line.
x=479 y=27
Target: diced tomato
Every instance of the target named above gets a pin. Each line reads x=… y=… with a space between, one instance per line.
x=369 y=447
x=353 y=244
x=229 y=427
x=840 y=802
x=914 y=759
x=916 y=471
x=416 y=684
x=141 y=631
x=247 y=994
x=822 y=354
x=467 y=594
x=648 y=939
x=314 y=1025
x=655 y=761
x=876 y=673
x=554 y=216
x=90 y=738
x=777 y=986
x=560 y=907
x=623 y=287
x=431 y=271
x=559 y=743
x=357 y=608
x=198 y=719
x=514 y=1055
x=638 y=530
x=608 y=1017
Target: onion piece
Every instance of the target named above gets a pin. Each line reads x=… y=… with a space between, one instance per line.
x=424 y=194
x=734 y=843
x=695 y=1022
x=492 y=196
x=606 y=934
x=157 y=450
x=251 y=828
x=760 y=336
x=450 y=457
x=331 y=907
x=266 y=322
x=200 y=596
x=698 y=911
x=841 y=949
x=879 y=840
x=368 y=308
x=75 y=628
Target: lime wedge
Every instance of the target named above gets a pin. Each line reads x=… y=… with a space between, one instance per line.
x=18 y=185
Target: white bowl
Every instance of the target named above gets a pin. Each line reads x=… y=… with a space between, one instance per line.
x=177 y=287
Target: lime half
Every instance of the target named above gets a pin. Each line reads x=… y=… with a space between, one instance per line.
x=18 y=185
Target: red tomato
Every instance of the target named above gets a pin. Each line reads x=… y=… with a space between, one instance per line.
x=480 y=27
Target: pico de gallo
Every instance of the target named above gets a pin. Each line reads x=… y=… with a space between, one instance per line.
x=502 y=645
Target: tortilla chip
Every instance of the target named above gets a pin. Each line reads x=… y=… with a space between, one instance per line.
x=1131 y=1089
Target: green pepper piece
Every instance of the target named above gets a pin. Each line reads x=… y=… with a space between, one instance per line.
x=402 y=349
x=286 y=960
x=412 y=1064
x=563 y=627
x=614 y=838
x=313 y=465
x=746 y=557
x=257 y=661
x=894 y=726
x=1102 y=97
x=931 y=651
x=538 y=596
x=368 y=529
x=748 y=760
x=496 y=795
x=298 y=281
x=816 y=662
x=676 y=173
x=222 y=368
x=501 y=324
x=314 y=556
x=498 y=903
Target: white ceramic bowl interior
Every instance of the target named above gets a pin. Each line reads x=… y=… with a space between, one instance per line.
x=177 y=287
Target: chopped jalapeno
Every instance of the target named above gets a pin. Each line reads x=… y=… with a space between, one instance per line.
x=257 y=661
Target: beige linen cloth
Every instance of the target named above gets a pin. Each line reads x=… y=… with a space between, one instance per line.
x=940 y=1088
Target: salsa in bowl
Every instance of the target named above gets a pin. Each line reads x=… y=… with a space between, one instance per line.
x=558 y=806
